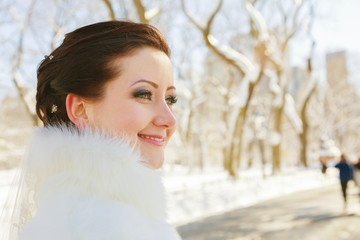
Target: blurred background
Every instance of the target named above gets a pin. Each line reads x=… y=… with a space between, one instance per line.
x=268 y=91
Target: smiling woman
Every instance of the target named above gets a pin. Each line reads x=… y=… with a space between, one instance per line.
x=133 y=106
x=105 y=96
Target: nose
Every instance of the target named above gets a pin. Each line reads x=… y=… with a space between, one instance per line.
x=164 y=116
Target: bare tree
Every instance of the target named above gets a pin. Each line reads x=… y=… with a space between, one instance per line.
x=24 y=49
x=291 y=24
x=246 y=68
x=18 y=62
x=311 y=90
x=270 y=49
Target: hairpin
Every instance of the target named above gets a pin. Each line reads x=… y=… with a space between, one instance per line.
x=49 y=57
x=54 y=108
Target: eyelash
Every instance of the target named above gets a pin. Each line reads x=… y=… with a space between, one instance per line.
x=171 y=100
x=147 y=95
x=144 y=94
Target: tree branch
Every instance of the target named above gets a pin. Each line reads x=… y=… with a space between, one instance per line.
x=110 y=9
x=191 y=18
x=294 y=28
x=141 y=11
x=229 y=55
x=15 y=68
x=146 y=16
x=212 y=17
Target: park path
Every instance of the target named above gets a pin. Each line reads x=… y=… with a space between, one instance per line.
x=316 y=214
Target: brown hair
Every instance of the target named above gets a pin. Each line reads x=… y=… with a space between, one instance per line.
x=82 y=64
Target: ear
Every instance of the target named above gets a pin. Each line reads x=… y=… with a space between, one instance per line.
x=76 y=110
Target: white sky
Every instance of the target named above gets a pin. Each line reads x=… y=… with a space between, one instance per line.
x=336 y=28
x=337 y=25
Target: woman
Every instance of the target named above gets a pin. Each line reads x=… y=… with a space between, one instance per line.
x=105 y=97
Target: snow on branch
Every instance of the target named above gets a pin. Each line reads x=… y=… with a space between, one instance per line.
x=229 y=55
x=259 y=21
x=152 y=13
x=146 y=16
x=273 y=83
x=239 y=59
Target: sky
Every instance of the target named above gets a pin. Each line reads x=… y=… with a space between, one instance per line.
x=336 y=28
x=337 y=25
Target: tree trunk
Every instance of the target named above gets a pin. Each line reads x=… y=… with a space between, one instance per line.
x=276 y=149
x=303 y=150
x=304 y=134
x=233 y=153
x=233 y=156
x=262 y=155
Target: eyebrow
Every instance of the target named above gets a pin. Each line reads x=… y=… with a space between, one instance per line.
x=151 y=83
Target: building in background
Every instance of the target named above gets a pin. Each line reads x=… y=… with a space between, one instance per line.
x=341 y=105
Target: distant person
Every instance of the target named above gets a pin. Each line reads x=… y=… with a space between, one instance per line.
x=345 y=174
x=323 y=166
x=357 y=174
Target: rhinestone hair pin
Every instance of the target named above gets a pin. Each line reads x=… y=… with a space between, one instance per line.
x=54 y=108
x=49 y=57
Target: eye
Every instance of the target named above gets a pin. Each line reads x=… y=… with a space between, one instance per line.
x=143 y=94
x=171 y=100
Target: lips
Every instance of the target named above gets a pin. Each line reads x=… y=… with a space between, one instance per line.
x=154 y=139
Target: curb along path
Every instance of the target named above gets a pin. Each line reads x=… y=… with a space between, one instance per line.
x=315 y=214
x=191 y=198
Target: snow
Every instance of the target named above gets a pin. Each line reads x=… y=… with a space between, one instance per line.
x=259 y=21
x=240 y=59
x=191 y=197
x=273 y=84
x=152 y=13
x=274 y=138
x=243 y=93
x=328 y=148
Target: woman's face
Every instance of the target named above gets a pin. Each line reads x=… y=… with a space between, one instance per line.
x=138 y=103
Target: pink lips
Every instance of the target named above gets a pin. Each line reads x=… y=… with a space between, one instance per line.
x=153 y=139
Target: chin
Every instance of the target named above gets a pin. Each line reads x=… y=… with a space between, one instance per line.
x=155 y=162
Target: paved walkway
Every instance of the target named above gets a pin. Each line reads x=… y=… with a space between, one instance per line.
x=317 y=214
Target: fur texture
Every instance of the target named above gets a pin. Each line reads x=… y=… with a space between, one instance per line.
x=90 y=186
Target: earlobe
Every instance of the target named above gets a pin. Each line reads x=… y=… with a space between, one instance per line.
x=76 y=110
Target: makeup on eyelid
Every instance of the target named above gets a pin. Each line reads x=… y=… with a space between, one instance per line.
x=146 y=94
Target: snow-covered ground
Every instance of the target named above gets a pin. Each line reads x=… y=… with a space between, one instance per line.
x=198 y=195
x=192 y=197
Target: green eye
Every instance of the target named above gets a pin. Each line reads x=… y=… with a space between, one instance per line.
x=171 y=100
x=144 y=94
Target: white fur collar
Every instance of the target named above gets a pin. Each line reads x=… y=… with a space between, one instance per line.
x=62 y=159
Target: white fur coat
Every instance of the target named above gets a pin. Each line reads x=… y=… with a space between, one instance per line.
x=90 y=186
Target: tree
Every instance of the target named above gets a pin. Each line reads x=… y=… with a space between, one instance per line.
x=309 y=92
x=245 y=68
x=269 y=54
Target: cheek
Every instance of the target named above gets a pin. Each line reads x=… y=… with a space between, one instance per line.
x=131 y=120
